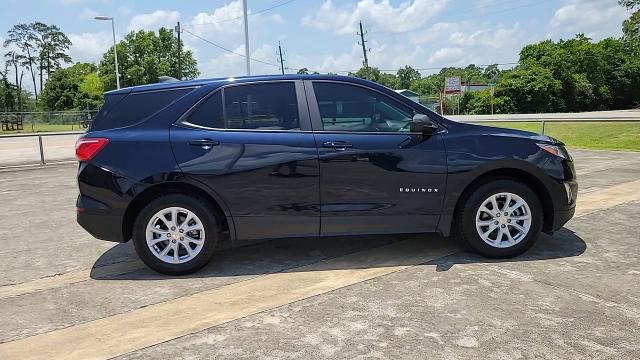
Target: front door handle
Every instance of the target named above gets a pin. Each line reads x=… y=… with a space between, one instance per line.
x=206 y=144
x=337 y=145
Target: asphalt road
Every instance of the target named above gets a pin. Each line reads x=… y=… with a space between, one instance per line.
x=574 y=295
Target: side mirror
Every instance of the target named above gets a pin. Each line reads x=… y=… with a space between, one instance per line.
x=423 y=124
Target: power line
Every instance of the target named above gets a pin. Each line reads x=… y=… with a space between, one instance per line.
x=240 y=17
x=430 y=68
x=227 y=50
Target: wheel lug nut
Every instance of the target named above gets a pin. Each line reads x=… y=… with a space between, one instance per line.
x=173 y=228
x=181 y=238
x=509 y=220
x=506 y=214
x=496 y=223
x=181 y=230
x=502 y=225
x=174 y=240
x=498 y=215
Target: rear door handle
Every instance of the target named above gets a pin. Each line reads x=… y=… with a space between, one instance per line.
x=337 y=145
x=206 y=144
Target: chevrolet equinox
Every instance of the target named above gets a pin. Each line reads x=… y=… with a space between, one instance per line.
x=175 y=164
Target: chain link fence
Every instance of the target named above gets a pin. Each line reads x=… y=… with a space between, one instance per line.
x=20 y=122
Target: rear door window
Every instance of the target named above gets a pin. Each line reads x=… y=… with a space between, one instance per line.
x=267 y=106
x=135 y=107
x=209 y=112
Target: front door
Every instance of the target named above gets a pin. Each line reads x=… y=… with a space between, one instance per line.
x=376 y=176
x=252 y=144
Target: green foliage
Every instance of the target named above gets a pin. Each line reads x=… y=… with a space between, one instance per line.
x=479 y=102
x=368 y=73
x=532 y=89
x=76 y=87
x=144 y=56
x=303 y=71
x=406 y=76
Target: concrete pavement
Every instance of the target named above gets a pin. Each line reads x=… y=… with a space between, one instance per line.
x=574 y=295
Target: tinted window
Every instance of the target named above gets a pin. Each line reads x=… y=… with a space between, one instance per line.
x=134 y=108
x=209 y=112
x=271 y=106
x=354 y=108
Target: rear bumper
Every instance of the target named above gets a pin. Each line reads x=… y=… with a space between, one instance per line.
x=98 y=220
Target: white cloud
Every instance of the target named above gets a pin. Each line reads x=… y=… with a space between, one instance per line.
x=227 y=18
x=378 y=15
x=277 y=18
x=154 y=20
x=89 y=47
x=88 y=13
x=447 y=56
x=596 y=19
x=499 y=37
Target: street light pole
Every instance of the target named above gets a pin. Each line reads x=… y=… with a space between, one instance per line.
x=115 y=52
x=246 y=37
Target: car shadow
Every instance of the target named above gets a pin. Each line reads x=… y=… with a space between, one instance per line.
x=121 y=263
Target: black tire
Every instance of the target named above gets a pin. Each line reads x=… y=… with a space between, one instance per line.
x=201 y=209
x=465 y=220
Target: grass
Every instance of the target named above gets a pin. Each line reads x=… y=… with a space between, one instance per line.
x=591 y=135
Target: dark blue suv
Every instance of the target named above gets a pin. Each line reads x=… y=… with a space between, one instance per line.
x=173 y=165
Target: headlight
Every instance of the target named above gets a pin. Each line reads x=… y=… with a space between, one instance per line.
x=555 y=150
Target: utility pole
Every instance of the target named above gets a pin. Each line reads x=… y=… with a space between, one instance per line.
x=246 y=36
x=178 y=30
x=364 y=47
x=281 y=59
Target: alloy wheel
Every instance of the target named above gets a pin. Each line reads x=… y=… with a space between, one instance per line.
x=503 y=220
x=175 y=235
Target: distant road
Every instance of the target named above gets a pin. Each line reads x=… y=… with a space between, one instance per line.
x=25 y=150
x=594 y=115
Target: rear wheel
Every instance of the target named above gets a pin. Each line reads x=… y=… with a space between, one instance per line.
x=175 y=234
x=500 y=219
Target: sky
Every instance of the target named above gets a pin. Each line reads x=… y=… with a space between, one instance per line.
x=321 y=35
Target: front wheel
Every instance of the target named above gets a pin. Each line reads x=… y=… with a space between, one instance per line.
x=500 y=219
x=175 y=234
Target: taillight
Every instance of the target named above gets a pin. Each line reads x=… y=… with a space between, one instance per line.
x=87 y=148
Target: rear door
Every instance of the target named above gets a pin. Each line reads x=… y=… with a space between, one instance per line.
x=252 y=144
x=375 y=175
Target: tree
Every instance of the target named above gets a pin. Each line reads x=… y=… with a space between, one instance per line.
x=368 y=73
x=629 y=4
x=426 y=85
x=303 y=71
x=532 y=89
x=76 y=87
x=52 y=45
x=479 y=102
x=24 y=37
x=406 y=76
x=390 y=81
x=12 y=58
x=7 y=90
x=144 y=56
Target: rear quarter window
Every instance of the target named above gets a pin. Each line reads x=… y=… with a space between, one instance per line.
x=125 y=110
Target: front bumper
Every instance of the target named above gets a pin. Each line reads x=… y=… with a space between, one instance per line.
x=564 y=204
